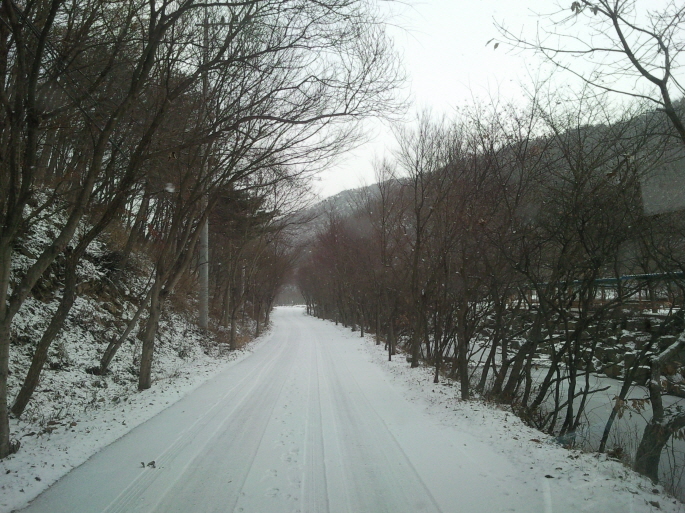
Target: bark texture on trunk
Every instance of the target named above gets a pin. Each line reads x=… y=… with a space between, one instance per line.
x=663 y=423
x=148 y=351
x=40 y=355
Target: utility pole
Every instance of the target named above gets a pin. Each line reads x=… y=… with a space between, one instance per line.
x=204 y=271
x=203 y=264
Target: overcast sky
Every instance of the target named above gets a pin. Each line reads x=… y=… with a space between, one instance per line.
x=444 y=51
x=443 y=44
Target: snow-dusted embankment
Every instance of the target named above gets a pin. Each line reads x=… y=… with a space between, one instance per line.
x=47 y=454
x=312 y=423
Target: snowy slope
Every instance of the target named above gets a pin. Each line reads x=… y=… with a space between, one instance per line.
x=73 y=413
x=315 y=420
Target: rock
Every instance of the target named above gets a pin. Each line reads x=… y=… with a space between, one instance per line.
x=626 y=338
x=641 y=340
x=666 y=341
x=629 y=359
x=633 y=324
x=614 y=371
x=15 y=445
x=641 y=375
x=610 y=354
x=675 y=389
x=601 y=352
x=669 y=369
x=111 y=308
x=616 y=453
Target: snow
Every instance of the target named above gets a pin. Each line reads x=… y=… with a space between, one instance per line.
x=314 y=420
x=73 y=414
x=578 y=481
x=94 y=418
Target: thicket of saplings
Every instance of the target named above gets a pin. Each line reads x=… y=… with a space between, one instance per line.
x=509 y=249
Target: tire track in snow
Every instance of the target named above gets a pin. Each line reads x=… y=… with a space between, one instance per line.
x=232 y=453
x=337 y=484
x=392 y=480
x=314 y=493
x=127 y=500
x=262 y=431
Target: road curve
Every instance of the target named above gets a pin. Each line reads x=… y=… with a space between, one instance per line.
x=305 y=424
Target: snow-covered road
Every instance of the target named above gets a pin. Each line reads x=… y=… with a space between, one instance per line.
x=307 y=423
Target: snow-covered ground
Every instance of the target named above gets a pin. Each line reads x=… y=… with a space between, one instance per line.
x=48 y=453
x=72 y=413
x=574 y=480
x=316 y=420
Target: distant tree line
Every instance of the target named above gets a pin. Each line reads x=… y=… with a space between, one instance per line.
x=150 y=118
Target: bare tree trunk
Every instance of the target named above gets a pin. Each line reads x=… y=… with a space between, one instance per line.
x=4 y=374
x=232 y=342
x=115 y=344
x=148 y=338
x=486 y=366
x=391 y=338
x=503 y=369
x=226 y=309
x=56 y=323
x=258 y=315
x=138 y=225
x=627 y=383
x=625 y=388
x=378 y=322
x=663 y=423
x=438 y=362
x=463 y=361
x=528 y=378
x=570 y=393
x=528 y=347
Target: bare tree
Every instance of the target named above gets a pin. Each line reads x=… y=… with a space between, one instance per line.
x=615 y=45
x=67 y=118
x=40 y=53
x=423 y=156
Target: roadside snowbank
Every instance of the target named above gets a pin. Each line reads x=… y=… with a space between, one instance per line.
x=97 y=415
x=592 y=482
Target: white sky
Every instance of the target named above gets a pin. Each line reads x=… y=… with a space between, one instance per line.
x=443 y=43
x=443 y=47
